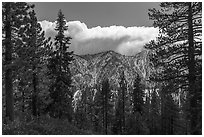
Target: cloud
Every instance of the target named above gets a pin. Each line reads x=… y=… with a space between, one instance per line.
x=124 y=40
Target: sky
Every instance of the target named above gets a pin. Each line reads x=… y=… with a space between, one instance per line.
x=95 y=27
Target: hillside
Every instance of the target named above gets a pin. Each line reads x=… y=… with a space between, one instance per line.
x=93 y=68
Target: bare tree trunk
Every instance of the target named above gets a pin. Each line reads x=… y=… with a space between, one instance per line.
x=34 y=95
x=23 y=101
x=191 y=67
x=106 y=111
x=8 y=60
x=123 y=115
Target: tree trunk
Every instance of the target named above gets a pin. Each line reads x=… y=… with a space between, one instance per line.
x=85 y=102
x=34 y=95
x=8 y=60
x=103 y=111
x=191 y=67
x=23 y=101
x=123 y=115
x=106 y=111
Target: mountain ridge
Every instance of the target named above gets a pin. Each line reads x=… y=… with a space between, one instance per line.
x=89 y=70
x=108 y=51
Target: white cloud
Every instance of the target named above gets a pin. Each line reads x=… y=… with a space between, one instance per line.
x=127 y=41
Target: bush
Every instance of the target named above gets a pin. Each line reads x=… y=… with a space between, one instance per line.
x=135 y=125
x=43 y=125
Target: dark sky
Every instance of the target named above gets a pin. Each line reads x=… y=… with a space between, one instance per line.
x=98 y=13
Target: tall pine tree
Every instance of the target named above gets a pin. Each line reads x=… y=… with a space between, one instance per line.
x=14 y=17
x=59 y=72
x=8 y=59
x=155 y=113
x=119 y=125
x=138 y=96
x=169 y=112
x=102 y=106
x=176 y=54
x=106 y=96
x=35 y=48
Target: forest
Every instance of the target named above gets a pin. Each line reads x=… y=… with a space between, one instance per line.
x=49 y=90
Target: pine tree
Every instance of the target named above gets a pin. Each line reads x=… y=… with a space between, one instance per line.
x=60 y=73
x=138 y=96
x=98 y=108
x=136 y=120
x=35 y=49
x=14 y=17
x=8 y=59
x=155 y=113
x=119 y=124
x=106 y=96
x=169 y=115
x=176 y=54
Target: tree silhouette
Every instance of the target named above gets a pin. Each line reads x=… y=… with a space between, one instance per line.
x=176 y=54
x=169 y=112
x=138 y=95
x=59 y=71
x=35 y=47
x=119 y=125
x=106 y=96
x=14 y=17
x=155 y=113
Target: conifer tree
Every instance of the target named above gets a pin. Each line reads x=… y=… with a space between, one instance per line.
x=59 y=72
x=169 y=115
x=8 y=55
x=14 y=16
x=138 y=95
x=98 y=108
x=176 y=54
x=35 y=49
x=136 y=120
x=106 y=96
x=155 y=113
x=119 y=124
